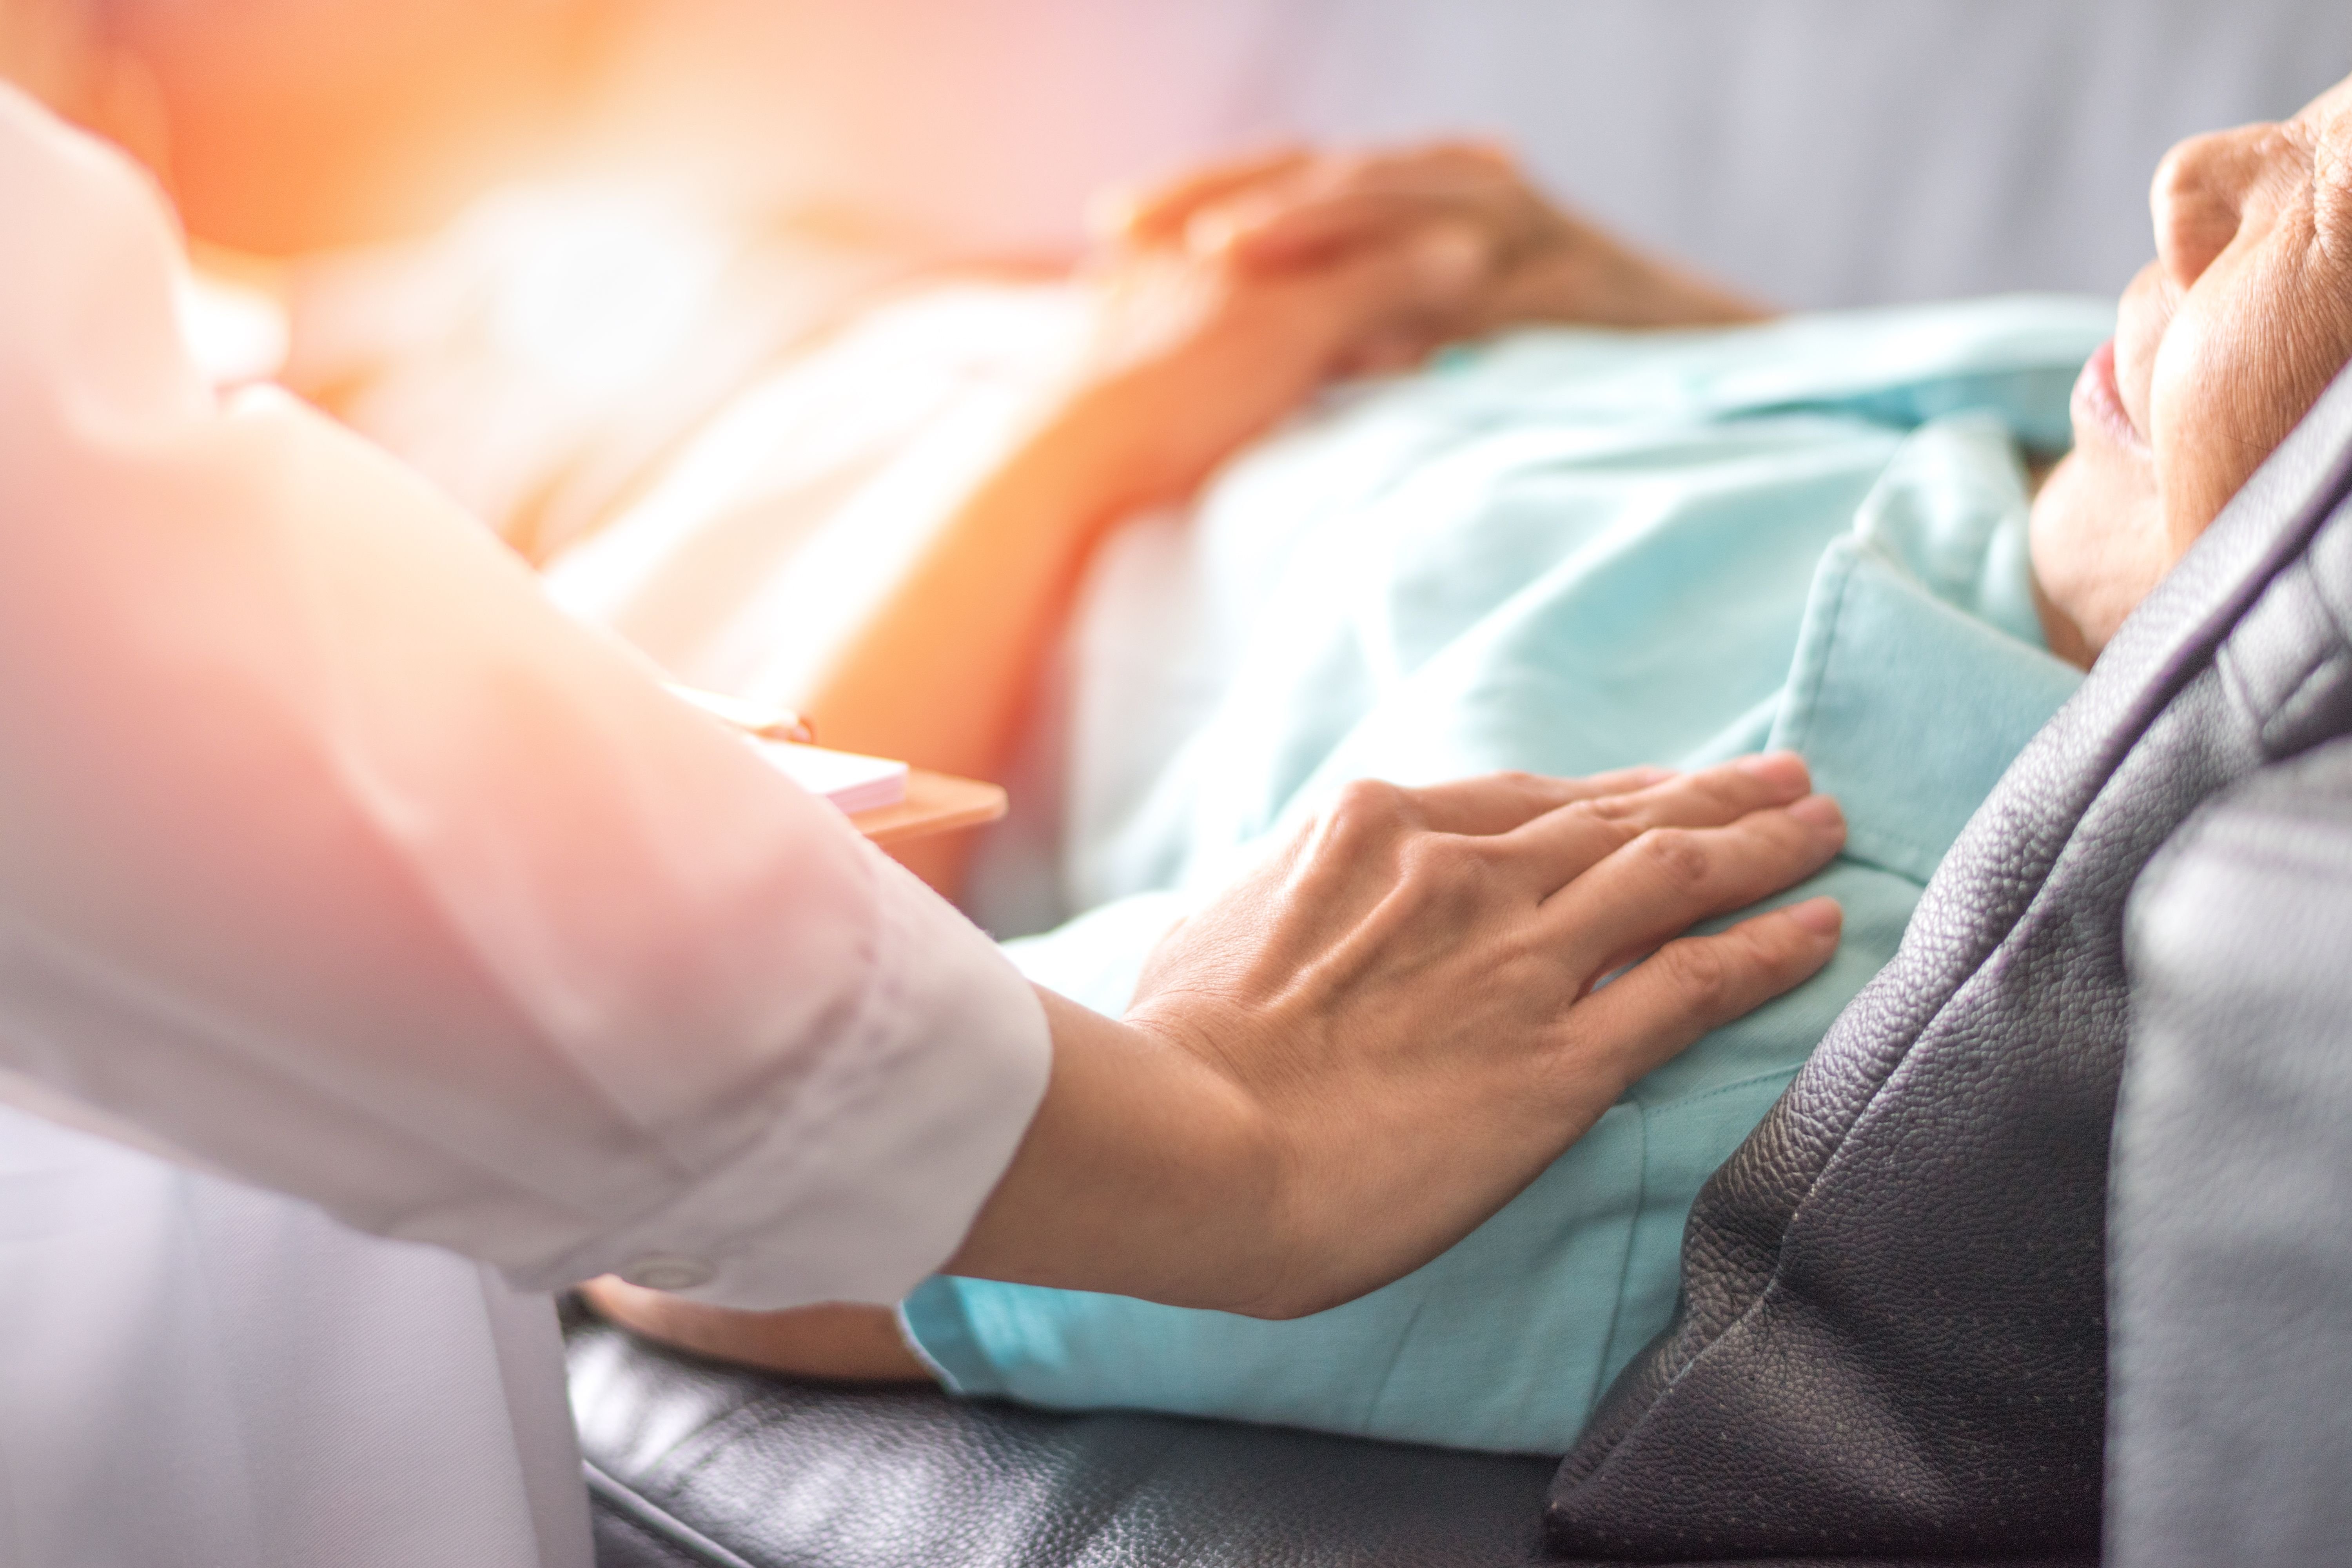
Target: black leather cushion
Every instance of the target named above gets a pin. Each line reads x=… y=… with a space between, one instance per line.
x=1893 y=1333
x=792 y=1473
x=2232 y=1233
x=697 y=1466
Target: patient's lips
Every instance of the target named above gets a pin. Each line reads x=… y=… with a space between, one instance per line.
x=2099 y=402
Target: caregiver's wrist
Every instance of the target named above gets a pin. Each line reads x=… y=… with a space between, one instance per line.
x=1144 y=1173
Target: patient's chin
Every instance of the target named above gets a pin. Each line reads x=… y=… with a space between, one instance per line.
x=2099 y=548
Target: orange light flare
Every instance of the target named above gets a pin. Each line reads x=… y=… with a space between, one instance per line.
x=281 y=126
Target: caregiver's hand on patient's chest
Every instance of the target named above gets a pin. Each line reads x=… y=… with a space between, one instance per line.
x=1374 y=1040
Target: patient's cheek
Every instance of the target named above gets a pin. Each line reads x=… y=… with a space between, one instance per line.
x=2223 y=407
x=2241 y=366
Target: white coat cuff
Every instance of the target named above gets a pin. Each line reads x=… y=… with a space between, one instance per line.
x=876 y=1172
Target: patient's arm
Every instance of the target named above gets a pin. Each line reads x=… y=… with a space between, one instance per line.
x=1189 y=358
x=1227 y=300
x=850 y=1343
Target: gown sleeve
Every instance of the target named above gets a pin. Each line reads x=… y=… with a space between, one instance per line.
x=334 y=857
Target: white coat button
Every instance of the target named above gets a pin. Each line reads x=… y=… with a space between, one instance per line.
x=667 y=1271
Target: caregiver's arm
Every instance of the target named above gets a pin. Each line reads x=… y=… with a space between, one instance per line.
x=1391 y=1018
x=333 y=857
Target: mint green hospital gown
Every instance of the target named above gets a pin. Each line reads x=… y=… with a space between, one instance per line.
x=1570 y=552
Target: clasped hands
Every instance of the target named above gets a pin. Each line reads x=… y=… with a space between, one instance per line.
x=1222 y=300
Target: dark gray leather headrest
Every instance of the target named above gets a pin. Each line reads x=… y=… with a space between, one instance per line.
x=1893 y=1333
x=2230 y=1256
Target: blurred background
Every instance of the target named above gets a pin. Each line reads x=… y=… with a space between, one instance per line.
x=1817 y=152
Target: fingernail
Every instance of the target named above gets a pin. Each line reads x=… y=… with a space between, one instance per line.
x=1818 y=811
x=1823 y=917
x=1645 y=777
x=1784 y=768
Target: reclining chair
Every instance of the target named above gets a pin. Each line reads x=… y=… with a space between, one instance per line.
x=1894 y=1341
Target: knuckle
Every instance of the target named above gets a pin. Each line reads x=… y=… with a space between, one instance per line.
x=1623 y=815
x=1531 y=789
x=1677 y=857
x=1436 y=860
x=1369 y=795
x=1366 y=810
x=1702 y=974
x=1731 y=793
x=1767 y=946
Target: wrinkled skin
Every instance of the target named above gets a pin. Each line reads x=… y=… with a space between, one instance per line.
x=2222 y=345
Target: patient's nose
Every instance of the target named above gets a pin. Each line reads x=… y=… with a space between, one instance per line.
x=2199 y=197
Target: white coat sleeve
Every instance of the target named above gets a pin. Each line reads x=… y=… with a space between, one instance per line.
x=333 y=857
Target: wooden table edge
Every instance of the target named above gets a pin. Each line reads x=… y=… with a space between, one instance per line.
x=935 y=802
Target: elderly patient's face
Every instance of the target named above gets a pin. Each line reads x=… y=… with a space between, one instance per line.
x=2223 y=344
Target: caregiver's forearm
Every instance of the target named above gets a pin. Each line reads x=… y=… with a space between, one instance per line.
x=334 y=856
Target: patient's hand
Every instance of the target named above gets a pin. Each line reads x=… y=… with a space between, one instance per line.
x=1191 y=355
x=1275 y=215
